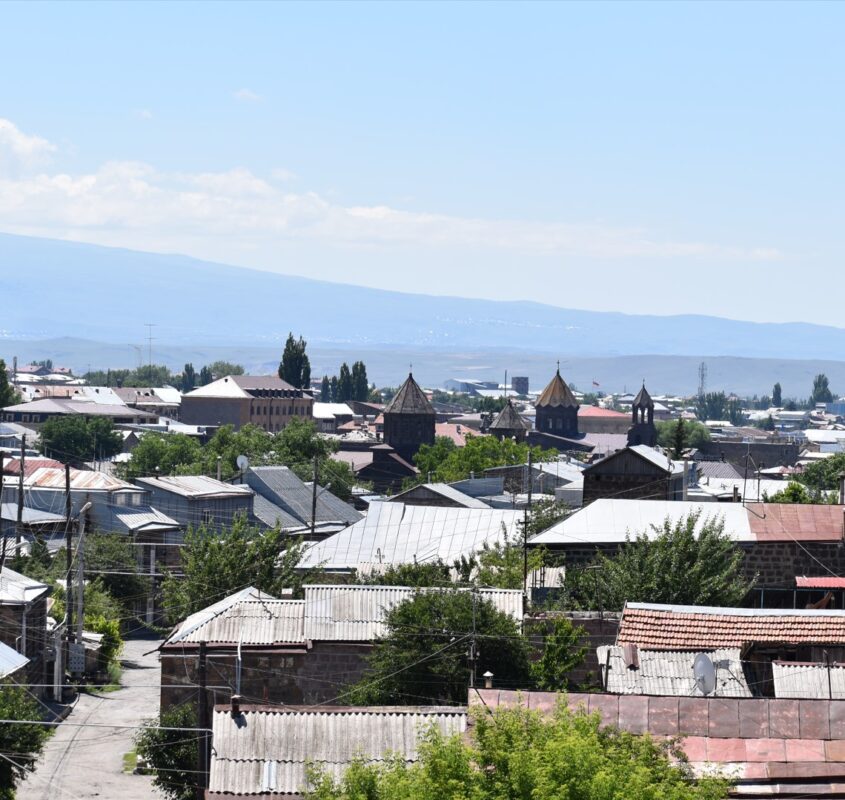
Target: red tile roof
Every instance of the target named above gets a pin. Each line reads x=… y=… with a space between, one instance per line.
x=596 y=411
x=802 y=522
x=655 y=627
x=803 y=582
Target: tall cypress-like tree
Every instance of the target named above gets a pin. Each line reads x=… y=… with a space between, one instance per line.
x=8 y=396
x=189 y=378
x=335 y=389
x=325 y=390
x=295 y=367
x=344 y=384
x=821 y=390
x=777 y=396
x=360 y=387
x=205 y=376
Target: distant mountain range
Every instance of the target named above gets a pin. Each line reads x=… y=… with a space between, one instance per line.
x=88 y=304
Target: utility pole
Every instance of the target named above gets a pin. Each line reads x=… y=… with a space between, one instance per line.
x=314 y=498
x=149 y=326
x=2 y=532
x=202 y=720
x=68 y=567
x=80 y=576
x=19 y=526
x=525 y=535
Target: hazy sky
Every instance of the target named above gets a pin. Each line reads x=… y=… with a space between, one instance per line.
x=635 y=157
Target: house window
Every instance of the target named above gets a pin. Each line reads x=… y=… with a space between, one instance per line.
x=207 y=516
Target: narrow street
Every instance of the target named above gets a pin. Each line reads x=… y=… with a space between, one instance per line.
x=81 y=761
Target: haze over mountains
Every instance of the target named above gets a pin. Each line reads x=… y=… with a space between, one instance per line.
x=84 y=304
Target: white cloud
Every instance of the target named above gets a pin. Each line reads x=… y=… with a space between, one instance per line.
x=22 y=149
x=218 y=214
x=142 y=113
x=247 y=96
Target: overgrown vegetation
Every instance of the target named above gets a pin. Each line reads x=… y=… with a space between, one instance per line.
x=21 y=743
x=679 y=435
x=77 y=439
x=517 y=753
x=171 y=754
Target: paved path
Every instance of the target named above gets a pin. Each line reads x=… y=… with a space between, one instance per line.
x=83 y=762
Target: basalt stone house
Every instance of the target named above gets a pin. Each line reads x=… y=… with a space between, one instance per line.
x=409 y=420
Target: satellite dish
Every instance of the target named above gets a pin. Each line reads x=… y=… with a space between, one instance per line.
x=242 y=462
x=705 y=674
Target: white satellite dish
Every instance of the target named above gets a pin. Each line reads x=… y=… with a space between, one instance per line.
x=242 y=462
x=705 y=674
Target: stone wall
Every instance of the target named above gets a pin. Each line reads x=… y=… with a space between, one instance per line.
x=291 y=676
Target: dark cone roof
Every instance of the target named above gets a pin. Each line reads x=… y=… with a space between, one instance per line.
x=509 y=419
x=410 y=399
x=643 y=399
x=557 y=393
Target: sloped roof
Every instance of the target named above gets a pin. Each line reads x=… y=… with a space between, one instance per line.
x=248 y=616
x=395 y=533
x=265 y=750
x=16 y=588
x=281 y=487
x=31 y=516
x=643 y=398
x=356 y=613
x=670 y=672
x=80 y=480
x=410 y=399
x=197 y=486
x=446 y=491
x=241 y=386
x=557 y=393
x=648 y=454
x=10 y=660
x=509 y=419
x=666 y=627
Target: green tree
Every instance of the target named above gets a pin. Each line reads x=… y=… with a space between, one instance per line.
x=189 y=379
x=694 y=435
x=78 y=439
x=22 y=743
x=418 y=575
x=793 y=492
x=501 y=564
x=670 y=565
x=335 y=388
x=205 y=376
x=325 y=390
x=171 y=754
x=713 y=405
x=449 y=463
x=736 y=414
x=344 y=384
x=295 y=367
x=518 y=754
x=424 y=653
x=222 y=369
x=360 y=385
x=114 y=560
x=824 y=475
x=777 y=396
x=8 y=395
x=163 y=454
x=563 y=651
x=821 y=390
x=217 y=565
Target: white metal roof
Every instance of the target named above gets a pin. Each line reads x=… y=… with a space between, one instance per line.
x=809 y=681
x=266 y=750
x=16 y=588
x=331 y=410
x=610 y=520
x=400 y=534
x=195 y=486
x=356 y=613
x=670 y=673
x=223 y=387
x=249 y=616
x=10 y=660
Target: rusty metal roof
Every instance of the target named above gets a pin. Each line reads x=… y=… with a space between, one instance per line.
x=195 y=486
x=265 y=750
x=249 y=616
x=356 y=613
x=80 y=479
x=557 y=393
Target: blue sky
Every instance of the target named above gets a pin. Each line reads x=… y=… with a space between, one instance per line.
x=660 y=158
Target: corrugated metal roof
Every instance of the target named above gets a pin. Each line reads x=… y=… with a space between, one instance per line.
x=195 y=486
x=671 y=673
x=809 y=681
x=249 y=616
x=447 y=491
x=288 y=740
x=31 y=516
x=400 y=534
x=271 y=514
x=409 y=399
x=803 y=582
x=10 y=660
x=145 y=518
x=664 y=627
x=356 y=613
x=611 y=521
x=17 y=588
x=80 y=480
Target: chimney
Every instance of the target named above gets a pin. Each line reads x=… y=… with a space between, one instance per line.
x=842 y=488
x=736 y=494
x=686 y=479
x=488 y=679
x=236 y=705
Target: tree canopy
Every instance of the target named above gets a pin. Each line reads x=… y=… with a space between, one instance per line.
x=777 y=395
x=77 y=439
x=520 y=754
x=424 y=656
x=797 y=493
x=216 y=565
x=825 y=474
x=446 y=462
x=679 y=435
x=8 y=395
x=23 y=742
x=171 y=754
x=821 y=390
x=670 y=565
x=295 y=367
